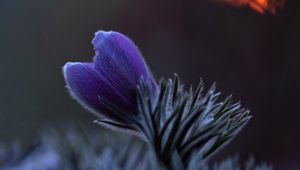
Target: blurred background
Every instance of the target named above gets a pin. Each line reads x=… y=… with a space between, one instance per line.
x=253 y=56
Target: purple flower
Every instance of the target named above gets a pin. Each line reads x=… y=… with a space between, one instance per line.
x=108 y=86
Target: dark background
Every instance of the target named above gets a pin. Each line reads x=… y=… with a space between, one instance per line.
x=253 y=56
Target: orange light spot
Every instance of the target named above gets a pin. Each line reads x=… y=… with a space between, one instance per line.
x=260 y=6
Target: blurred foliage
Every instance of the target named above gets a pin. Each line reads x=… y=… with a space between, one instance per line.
x=77 y=148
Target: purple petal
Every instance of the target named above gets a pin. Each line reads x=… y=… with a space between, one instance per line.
x=119 y=61
x=92 y=90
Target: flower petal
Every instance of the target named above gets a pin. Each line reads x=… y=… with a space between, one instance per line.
x=119 y=61
x=93 y=91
